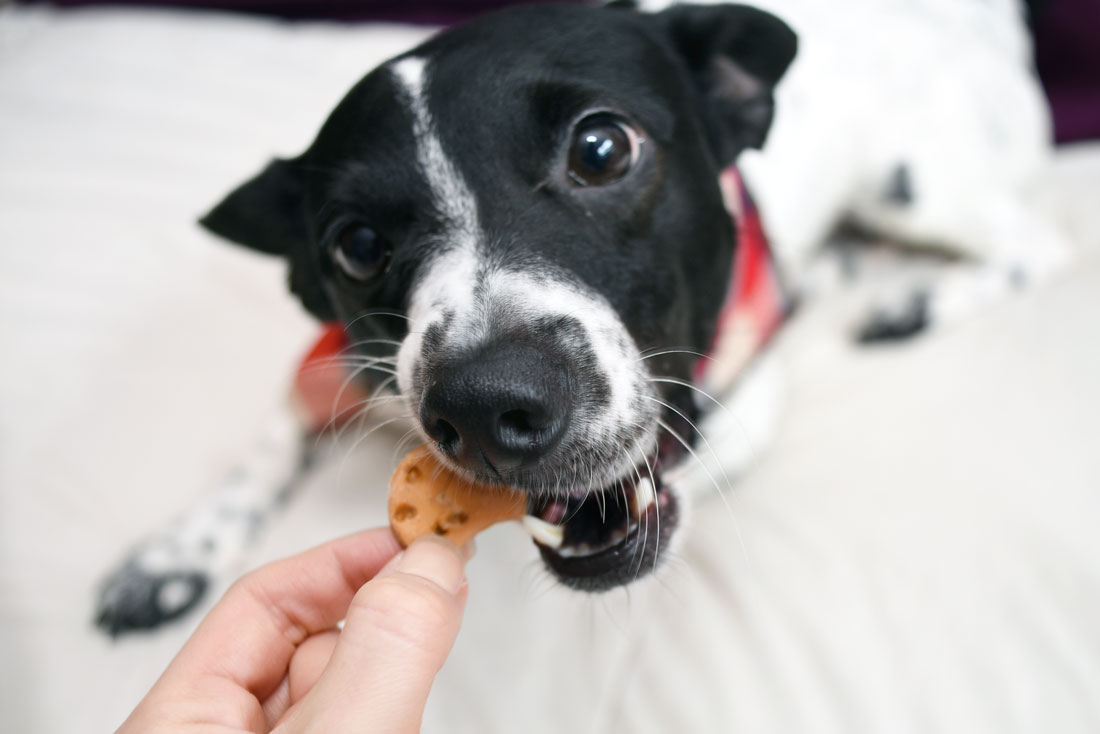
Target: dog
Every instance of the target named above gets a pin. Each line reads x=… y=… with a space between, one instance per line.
x=534 y=242
x=528 y=237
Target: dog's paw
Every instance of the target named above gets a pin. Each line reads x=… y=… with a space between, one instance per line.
x=894 y=324
x=134 y=598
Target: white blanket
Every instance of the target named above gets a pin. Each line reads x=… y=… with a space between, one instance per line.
x=918 y=552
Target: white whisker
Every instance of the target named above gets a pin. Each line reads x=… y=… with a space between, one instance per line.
x=374 y=312
x=664 y=352
x=358 y=441
x=725 y=501
x=657 y=512
x=733 y=416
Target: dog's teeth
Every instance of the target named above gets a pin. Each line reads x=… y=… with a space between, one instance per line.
x=646 y=495
x=544 y=532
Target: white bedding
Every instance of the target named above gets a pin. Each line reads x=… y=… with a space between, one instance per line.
x=918 y=552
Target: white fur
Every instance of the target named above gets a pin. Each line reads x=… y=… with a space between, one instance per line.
x=944 y=88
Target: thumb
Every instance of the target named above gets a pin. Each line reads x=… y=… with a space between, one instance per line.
x=399 y=630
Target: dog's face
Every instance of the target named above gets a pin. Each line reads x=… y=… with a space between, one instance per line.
x=520 y=219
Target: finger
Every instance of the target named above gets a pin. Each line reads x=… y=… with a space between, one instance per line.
x=309 y=662
x=306 y=666
x=399 y=629
x=251 y=634
x=276 y=705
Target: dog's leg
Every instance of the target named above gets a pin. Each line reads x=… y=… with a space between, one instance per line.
x=165 y=575
x=1009 y=248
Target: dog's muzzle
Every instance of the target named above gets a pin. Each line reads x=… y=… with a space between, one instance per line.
x=526 y=415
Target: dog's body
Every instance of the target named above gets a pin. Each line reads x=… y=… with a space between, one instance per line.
x=922 y=123
x=525 y=239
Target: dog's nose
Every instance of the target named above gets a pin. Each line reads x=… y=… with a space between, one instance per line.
x=505 y=406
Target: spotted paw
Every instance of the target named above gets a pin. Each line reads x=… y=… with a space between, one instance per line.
x=133 y=598
x=895 y=324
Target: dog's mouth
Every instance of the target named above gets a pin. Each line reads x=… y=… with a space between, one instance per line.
x=595 y=540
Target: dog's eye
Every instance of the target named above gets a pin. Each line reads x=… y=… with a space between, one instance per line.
x=603 y=150
x=361 y=253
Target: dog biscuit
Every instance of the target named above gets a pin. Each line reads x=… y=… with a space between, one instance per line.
x=427 y=497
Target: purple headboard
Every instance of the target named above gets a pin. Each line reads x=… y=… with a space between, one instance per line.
x=434 y=12
x=1068 y=57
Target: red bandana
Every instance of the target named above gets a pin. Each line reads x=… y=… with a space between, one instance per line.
x=325 y=395
x=756 y=304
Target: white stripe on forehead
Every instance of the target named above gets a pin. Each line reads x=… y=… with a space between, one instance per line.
x=459 y=243
x=451 y=276
x=452 y=195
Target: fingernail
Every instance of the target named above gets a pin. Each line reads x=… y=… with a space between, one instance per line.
x=391 y=565
x=436 y=560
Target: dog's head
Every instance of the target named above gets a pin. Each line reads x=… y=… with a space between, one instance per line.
x=522 y=219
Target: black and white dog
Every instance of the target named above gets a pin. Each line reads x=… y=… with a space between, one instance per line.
x=521 y=219
x=521 y=227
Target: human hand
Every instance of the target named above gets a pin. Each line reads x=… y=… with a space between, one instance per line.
x=268 y=656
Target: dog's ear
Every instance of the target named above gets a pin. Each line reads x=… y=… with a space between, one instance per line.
x=735 y=55
x=264 y=213
x=267 y=213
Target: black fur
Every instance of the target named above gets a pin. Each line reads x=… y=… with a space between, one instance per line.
x=892 y=326
x=506 y=113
